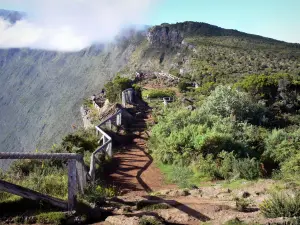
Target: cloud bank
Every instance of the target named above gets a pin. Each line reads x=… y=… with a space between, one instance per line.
x=70 y=25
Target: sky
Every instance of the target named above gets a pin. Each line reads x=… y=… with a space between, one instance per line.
x=279 y=19
x=73 y=24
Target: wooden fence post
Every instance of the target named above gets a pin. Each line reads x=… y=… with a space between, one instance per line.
x=81 y=175
x=72 y=184
x=92 y=168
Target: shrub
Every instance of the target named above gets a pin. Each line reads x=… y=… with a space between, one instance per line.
x=98 y=193
x=56 y=218
x=242 y=204
x=281 y=205
x=282 y=145
x=155 y=93
x=150 y=221
x=114 y=88
x=183 y=86
x=206 y=88
x=246 y=168
x=79 y=142
x=228 y=102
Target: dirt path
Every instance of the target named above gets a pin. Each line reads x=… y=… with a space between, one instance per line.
x=133 y=171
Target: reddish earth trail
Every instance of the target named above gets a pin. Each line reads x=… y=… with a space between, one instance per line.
x=133 y=170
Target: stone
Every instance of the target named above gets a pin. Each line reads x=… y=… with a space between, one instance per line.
x=190 y=107
x=196 y=192
x=180 y=192
x=122 y=220
x=243 y=194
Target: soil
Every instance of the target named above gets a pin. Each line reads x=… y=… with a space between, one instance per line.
x=138 y=179
x=132 y=169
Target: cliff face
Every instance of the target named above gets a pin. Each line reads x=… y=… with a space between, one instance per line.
x=41 y=91
x=172 y=35
x=164 y=36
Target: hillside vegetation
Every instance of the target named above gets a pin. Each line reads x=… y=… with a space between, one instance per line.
x=246 y=130
x=42 y=90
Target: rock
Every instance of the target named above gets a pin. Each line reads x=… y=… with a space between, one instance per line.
x=165 y=192
x=151 y=220
x=243 y=194
x=122 y=220
x=180 y=192
x=164 y=36
x=190 y=107
x=196 y=192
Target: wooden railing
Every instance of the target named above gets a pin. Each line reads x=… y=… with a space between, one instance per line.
x=106 y=147
x=76 y=177
x=77 y=174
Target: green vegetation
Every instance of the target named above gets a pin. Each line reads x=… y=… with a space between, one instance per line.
x=183 y=86
x=236 y=221
x=235 y=133
x=150 y=221
x=282 y=205
x=114 y=88
x=158 y=93
x=242 y=204
x=150 y=207
x=57 y=218
x=50 y=176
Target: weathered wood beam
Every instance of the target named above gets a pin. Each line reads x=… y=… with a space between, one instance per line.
x=72 y=184
x=22 y=155
x=30 y=194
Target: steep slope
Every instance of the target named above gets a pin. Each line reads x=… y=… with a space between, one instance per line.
x=206 y=52
x=42 y=91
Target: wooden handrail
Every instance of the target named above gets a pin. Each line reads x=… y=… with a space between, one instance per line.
x=107 y=143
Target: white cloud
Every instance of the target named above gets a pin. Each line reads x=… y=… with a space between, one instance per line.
x=69 y=25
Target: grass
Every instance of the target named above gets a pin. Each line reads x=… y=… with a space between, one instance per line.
x=236 y=221
x=282 y=204
x=146 y=206
x=182 y=176
x=150 y=221
x=56 y=218
x=237 y=184
x=155 y=93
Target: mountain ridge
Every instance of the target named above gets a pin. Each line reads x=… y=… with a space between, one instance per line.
x=43 y=90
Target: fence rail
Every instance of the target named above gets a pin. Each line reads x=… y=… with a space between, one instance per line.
x=106 y=147
x=78 y=176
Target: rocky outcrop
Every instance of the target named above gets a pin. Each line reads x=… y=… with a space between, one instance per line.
x=164 y=36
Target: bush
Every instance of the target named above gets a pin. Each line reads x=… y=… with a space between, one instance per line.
x=242 y=204
x=114 y=88
x=246 y=168
x=281 y=205
x=183 y=86
x=57 y=218
x=206 y=88
x=97 y=193
x=155 y=93
x=279 y=89
x=79 y=142
x=282 y=145
x=227 y=102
